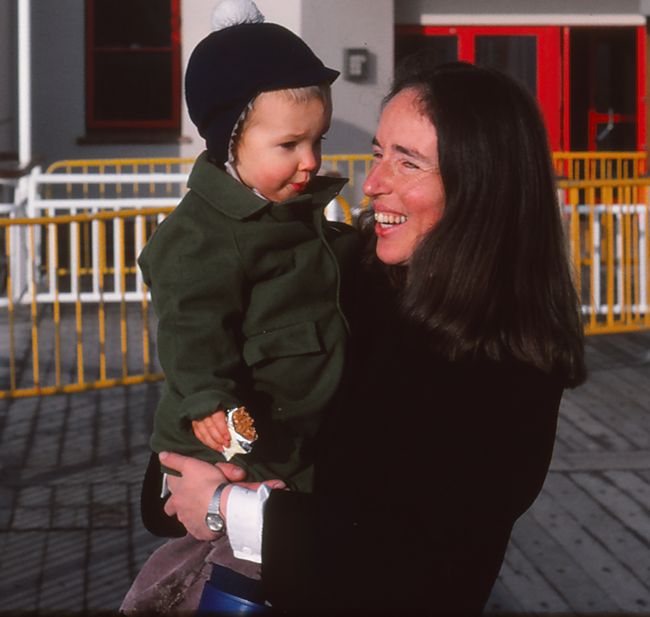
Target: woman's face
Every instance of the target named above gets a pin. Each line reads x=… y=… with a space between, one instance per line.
x=404 y=183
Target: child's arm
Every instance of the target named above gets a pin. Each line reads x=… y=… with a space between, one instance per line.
x=212 y=431
x=195 y=272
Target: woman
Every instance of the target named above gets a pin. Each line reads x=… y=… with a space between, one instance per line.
x=443 y=436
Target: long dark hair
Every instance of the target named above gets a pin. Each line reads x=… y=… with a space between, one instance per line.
x=492 y=278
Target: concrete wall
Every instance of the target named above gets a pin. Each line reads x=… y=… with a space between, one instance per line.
x=8 y=77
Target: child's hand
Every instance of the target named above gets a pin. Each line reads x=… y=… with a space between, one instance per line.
x=212 y=431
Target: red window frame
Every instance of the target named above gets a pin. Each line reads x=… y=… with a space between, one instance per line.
x=173 y=122
x=549 y=63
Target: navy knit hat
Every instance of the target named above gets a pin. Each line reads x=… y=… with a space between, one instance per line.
x=231 y=66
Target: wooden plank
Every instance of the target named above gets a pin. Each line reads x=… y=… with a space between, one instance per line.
x=65 y=553
x=635 y=484
x=632 y=382
x=528 y=586
x=80 y=433
x=141 y=542
x=629 y=382
x=107 y=569
x=20 y=569
x=501 y=600
x=33 y=509
x=631 y=514
x=600 y=461
x=638 y=378
x=578 y=525
x=569 y=438
x=616 y=355
x=595 y=355
x=634 y=348
x=617 y=410
x=586 y=420
x=559 y=568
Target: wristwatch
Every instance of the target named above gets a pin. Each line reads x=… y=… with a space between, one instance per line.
x=213 y=518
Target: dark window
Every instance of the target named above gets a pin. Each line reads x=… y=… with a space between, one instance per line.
x=515 y=55
x=603 y=88
x=439 y=49
x=132 y=65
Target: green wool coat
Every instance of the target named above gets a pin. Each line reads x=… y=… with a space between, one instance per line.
x=247 y=294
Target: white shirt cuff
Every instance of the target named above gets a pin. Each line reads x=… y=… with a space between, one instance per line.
x=246 y=521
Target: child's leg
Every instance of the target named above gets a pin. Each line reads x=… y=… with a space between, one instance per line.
x=174 y=576
x=172 y=579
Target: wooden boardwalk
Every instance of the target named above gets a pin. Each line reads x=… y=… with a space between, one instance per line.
x=584 y=546
x=70 y=470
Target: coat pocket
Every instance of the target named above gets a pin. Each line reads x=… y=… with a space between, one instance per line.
x=294 y=340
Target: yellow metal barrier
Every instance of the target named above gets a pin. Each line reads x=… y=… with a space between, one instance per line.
x=100 y=332
x=84 y=305
x=599 y=165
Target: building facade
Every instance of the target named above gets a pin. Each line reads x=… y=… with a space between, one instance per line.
x=106 y=75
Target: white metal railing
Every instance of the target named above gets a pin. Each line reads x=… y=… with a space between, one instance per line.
x=38 y=268
x=592 y=218
x=95 y=260
x=91 y=194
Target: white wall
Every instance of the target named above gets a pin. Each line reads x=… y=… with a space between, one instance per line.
x=196 y=24
x=329 y=28
x=285 y=12
x=58 y=88
x=196 y=18
x=409 y=11
x=8 y=77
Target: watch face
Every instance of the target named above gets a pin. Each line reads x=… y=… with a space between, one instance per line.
x=214 y=522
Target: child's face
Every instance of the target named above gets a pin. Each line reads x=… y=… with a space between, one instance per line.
x=279 y=150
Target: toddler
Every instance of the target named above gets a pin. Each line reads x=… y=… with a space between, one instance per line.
x=245 y=273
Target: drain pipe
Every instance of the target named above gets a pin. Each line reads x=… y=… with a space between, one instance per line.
x=24 y=84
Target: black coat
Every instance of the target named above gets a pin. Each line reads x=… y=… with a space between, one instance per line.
x=424 y=466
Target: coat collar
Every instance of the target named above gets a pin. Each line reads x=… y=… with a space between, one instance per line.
x=237 y=201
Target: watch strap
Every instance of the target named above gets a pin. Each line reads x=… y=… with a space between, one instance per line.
x=215 y=502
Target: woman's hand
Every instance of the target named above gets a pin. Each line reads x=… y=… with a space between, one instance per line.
x=191 y=493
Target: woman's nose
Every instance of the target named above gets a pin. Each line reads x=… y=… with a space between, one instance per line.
x=376 y=180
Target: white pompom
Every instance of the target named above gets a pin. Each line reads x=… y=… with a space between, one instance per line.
x=233 y=12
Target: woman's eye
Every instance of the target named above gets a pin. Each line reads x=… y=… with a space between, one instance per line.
x=289 y=145
x=409 y=166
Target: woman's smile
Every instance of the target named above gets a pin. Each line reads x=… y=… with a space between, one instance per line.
x=387 y=219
